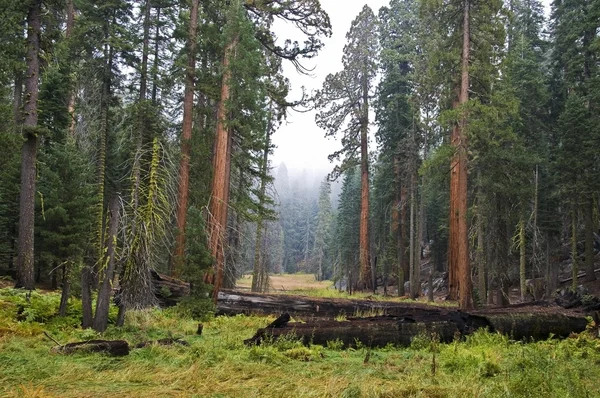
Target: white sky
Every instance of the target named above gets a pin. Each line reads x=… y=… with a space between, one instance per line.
x=300 y=144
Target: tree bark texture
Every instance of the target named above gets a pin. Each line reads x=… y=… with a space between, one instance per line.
x=365 y=280
x=186 y=142
x=219 y=202
x=574 y=264
x=86 y=297
x=395 y=227
x=590 y=275
x=381 y=331
x=25 y=271
x=115 y=348
x=522 y=261
x=460 y=270
x=66 y=288
x=108 y=268
x=68 y=34
x=260 y=274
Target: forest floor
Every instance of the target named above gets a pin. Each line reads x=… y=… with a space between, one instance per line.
x=218 y=364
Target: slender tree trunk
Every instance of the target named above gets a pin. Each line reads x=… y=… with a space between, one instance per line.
x=403 y=245
x=481 y=266
x=522 y=260
x=66 y=288
x=103 y=300
x=137 y=157
x=102 y=149
x=590 y=275
x=395 y=228
x=25 y=271
x=420 y=241
x=145 y=50
x=68 y=35
x=413 y=281
x=459 y=248
x=156 y=57
x=86 y=297
x=260 y=274
x=186 y=143
x=366 y=281
x=221 y=177
x=575 y=268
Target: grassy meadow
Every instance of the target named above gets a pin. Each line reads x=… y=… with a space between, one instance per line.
x=218 y=364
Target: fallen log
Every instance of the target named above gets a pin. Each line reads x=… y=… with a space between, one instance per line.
x=169 y=291
x=115 y=348
x=380 y=331
x=301 y=307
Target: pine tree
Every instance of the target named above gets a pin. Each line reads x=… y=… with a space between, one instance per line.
x=25 y=271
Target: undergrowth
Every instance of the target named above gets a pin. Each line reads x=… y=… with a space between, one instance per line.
x=218 y=364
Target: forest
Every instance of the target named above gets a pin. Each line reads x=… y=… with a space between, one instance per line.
x=138 y=174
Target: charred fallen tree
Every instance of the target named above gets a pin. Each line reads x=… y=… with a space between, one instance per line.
x=379 y=331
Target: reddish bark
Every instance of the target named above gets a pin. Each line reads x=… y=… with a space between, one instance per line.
x=366 y=278
x=186 y=138
x=221 y=177
x=459 y=267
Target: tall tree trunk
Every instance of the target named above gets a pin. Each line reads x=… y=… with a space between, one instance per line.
x=366 y=280
x=86 y=297
x=412 y=260
x=145 y=50
x=156 y=57
x=102 y=150
x=481 y=266
x=66 y=288
x=395 y=228
x=522 y=260
x=459 y=248
x=588 y=209
x=186 y=143
x=141 y=122
x=403 y=245
x=25 y=272
x=108 y=268
x=260 y=274
x=219 y=202
x=574 y=266
x=68 y=35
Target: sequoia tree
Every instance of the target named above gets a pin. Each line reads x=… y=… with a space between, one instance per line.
x=344 y=107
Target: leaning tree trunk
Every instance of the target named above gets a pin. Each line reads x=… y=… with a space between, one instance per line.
x=186 y=144
x=25 y=272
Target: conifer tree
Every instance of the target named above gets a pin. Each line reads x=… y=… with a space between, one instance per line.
x=344 y=108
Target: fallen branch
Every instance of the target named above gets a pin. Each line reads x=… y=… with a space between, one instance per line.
x=111 y=347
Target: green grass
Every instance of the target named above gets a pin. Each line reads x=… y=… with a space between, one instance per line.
x=217 y=364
